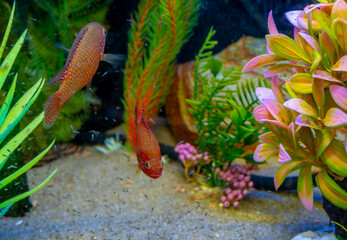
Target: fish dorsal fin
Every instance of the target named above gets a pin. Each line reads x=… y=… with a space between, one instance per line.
x=143 y=120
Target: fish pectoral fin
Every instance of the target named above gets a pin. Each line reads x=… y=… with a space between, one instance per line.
x=116 y=60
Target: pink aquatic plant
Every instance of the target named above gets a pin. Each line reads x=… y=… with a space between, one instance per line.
x=191 y=158
x=237 y=178
x=307 y=111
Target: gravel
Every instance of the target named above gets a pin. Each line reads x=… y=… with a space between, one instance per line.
x=97 y=196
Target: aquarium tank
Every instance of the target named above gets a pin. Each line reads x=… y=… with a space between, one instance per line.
x=173 y=119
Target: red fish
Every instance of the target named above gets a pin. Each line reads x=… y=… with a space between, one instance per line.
x=147 y=148
x=83 y=61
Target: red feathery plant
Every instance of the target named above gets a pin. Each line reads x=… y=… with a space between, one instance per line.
x=158 y=31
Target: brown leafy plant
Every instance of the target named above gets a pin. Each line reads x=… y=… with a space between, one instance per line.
x=307 y=111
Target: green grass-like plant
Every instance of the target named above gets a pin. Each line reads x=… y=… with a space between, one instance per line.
x=10 y=117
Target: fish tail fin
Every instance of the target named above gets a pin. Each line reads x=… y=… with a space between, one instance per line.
x=52 y=108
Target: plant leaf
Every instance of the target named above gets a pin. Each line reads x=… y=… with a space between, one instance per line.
x=341 y=64
x=339 y=28
x=12 y=144
x=286 y=48
x=335 y=118
x=283 y=171
x=300 y=106
x=305 y=187
x=10 y=58
x=277 y=110
x=25 y=168
x=28 y=193
x=20 y=108
x=339 y=95
x=331 y=190
x=319 y=94
x=306 y=121
x=325 y=76
x=7 y=32
x=264 y=151
x=323 y=140
x=335 y=157
x=260 y=61
x=264 y=93
x=301 y=83
x=7 y=103
x=283 y=156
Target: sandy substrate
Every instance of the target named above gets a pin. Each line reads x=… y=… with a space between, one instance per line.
x=97 y=196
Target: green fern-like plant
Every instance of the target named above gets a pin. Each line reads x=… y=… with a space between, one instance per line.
x=9 y=118
x=222 y=109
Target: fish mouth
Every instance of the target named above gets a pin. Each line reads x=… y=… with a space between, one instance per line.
x=154 y=175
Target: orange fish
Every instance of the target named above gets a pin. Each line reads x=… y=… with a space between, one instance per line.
x=147 y=147
x=83 y=61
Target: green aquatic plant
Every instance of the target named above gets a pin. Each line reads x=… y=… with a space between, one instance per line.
x=158 y=31
x=111 y=145
x=222 y=109
x=9 y=118
x=307 y=111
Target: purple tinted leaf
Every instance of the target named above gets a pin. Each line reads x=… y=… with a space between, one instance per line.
x=261 y=114
x=306 y=121
x=325 y=76
x=335 y=118
x=271 y=24
x=277 y=123
x=283 y=156
x=310 y=40
x=292 y=17
x=300 y=106
x=277 y=110
x=264 y=93
x=339 y=95
x=305 y=187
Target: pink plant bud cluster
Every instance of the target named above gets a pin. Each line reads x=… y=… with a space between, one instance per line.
x=187 y=154
x=238 y=180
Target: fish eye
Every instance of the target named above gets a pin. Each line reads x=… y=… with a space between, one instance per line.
x=147 y=164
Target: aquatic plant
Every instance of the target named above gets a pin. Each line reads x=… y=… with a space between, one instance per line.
x=237 y=179
x=9 y=118
x=222 y=109
x=191 y=159
x=158 y=31
x=307 y=111
x=111 y=145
